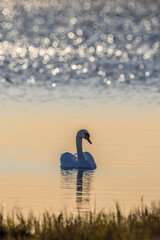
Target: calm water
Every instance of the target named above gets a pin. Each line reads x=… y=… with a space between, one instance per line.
x=67 y=66
x=125 y=147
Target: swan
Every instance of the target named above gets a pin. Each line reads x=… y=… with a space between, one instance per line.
x=81 y=160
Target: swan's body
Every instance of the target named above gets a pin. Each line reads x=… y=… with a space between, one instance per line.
x=80 y=160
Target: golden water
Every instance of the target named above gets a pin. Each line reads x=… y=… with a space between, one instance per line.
x=125 y=147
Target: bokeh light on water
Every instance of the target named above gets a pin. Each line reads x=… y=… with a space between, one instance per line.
x=61 y=49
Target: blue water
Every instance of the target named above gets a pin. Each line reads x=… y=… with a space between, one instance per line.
x=80 y=50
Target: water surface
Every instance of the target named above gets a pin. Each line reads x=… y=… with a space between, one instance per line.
x=125 y=147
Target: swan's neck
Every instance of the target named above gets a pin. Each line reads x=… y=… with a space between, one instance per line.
x=79 y=147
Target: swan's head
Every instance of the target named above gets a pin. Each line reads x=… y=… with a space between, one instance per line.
x=84 y=134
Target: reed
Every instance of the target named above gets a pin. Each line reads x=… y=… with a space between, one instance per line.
x=140 y=224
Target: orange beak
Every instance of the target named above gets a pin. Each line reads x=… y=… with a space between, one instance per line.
x=88 y=139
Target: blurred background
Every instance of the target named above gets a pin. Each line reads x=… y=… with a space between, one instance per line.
x=80 y=50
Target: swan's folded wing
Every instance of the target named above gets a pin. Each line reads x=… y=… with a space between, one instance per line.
x=68 y=160
x=90 y=159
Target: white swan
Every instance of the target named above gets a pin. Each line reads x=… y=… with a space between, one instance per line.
x=81 y=160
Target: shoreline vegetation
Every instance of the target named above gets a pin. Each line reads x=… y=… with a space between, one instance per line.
x=142 y=223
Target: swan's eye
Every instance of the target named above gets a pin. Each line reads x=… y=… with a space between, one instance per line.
x=87 y=135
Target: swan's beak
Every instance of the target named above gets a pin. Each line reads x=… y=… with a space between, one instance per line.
x=88 y=139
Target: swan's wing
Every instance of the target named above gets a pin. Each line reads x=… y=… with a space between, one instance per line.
x=90 y=159
x=68 y=160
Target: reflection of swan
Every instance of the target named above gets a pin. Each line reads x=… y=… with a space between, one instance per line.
x=84 y=179
x=81 y=180
x=84 y=160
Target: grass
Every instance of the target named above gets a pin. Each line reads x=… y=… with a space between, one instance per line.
x=140 y=224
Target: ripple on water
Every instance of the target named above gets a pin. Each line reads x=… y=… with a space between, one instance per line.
x=97 y=45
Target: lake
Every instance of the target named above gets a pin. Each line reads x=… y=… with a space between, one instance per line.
x=125 y=147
